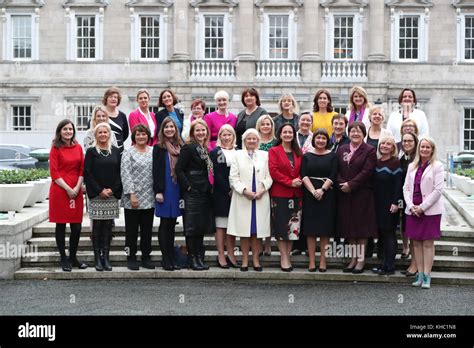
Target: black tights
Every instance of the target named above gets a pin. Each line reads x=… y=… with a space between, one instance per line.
x=60 y=233
x=166 y=240
x=102 y=233
x=195 y=246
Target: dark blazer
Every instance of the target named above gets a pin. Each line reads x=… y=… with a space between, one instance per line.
x=162 y=114
x=252 y=120
x=220 y=195
x=283 y=173
x=356 y=209
x=191 y=170
x=159 y=169
x=102 y=172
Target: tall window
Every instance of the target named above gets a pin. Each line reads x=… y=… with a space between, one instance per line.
x=468 y=138
x=343 y=37
x=22 y=39
x=278 y=37
x=409 y=33
x=83 y=114
x=150 y=37
x=469 y=38
x=408 y=37
x=21 y=117
x=86 y=37
x=214 y=37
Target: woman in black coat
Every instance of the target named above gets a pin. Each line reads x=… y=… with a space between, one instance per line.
x=222 y=157
x=195 y=176
x=168 y=100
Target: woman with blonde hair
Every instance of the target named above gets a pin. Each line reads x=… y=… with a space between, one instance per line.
x=387 y=187
x=104 y=189
x=359 y=106
x=222 y=157
x=249 y=215
x=144 y=116
x=99 y=115
x=288 y=111
x=422 y=190
x=196 y=178
x=375 y=130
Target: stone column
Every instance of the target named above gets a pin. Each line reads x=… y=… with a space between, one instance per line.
x=246 y=30
x=376 y=42
x=311 y=30
x=180 y=26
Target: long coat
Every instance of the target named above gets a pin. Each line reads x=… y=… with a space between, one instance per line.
x=240 y=178
x=356 y=209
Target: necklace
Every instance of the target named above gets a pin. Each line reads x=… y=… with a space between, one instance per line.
x=104 y=153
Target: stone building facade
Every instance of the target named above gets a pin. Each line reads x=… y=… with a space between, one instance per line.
x=57 y=57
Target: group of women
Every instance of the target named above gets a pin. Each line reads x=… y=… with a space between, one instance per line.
x=293 y=177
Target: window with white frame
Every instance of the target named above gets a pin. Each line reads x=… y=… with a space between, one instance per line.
x=465 y=37
x=148 y=37
x=214 y=36
x=409 y=38
x=468 y=129
x=20 y=37
x=85 y=36
x=344 y=36
x=83 y=114
x=21 y=117
x=278 y=36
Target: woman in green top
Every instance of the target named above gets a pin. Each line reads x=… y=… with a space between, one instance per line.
x=266 y=129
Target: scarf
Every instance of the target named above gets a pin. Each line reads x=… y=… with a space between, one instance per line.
x=353 y=114
x=204 y=154
x=173 y=151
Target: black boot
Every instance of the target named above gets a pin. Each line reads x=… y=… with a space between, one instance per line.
x=96 y=245
x=147 y=263
x=65 y=265
x=201 y=253
x=201 y=263
x=106 y=239
x=132 y=263
x=60 y=234
x=195 y=264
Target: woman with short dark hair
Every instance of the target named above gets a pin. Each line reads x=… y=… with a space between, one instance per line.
x=248 y=117
x=138 y=197
x=167 y=100
x=117 y=119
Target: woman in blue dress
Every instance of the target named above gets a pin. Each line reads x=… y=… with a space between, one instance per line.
x=166 y=188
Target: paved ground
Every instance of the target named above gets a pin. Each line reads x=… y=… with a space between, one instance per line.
x=215 y=297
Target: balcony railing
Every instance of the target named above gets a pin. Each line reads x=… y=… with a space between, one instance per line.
x=344 y=71
x=278 y=70
x=212 y=70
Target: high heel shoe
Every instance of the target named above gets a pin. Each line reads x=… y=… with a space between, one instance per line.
x=289 y=269
x=244 y=268
x=257 y=268
x=419 y=279
x=226 y=266
x=312 y=270
x=348 y=269
x=230 y=263
x=322 y=270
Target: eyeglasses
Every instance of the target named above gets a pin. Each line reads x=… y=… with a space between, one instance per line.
x=355 y=131
x=408 y=141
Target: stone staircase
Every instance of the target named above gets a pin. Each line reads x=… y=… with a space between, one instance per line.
x=454 y=260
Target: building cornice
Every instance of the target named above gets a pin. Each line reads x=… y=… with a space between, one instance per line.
x=86 y=3
x=416 y=3
x=328 y=3
x=198 y=3
x=31 y=3
x=263 y=3
x=462 y=4
x=138 y=3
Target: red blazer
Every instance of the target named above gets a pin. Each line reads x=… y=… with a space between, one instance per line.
x=283 y=174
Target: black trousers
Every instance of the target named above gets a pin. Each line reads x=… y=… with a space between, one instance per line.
x=389 y=245
x=166 y=233
x=60 y=234
x=135 y=220
x=195 y=245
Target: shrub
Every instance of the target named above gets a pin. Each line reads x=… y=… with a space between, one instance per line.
x=465 y=172
x=13 y=177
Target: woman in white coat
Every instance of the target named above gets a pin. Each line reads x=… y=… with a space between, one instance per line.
x=249 y=215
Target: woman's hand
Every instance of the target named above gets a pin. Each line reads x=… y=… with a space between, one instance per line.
x=134 y=200
x=159 y=198
x=71 y=193
x=260 y=193
x=416 y=210
x=296 y=182
x=318 y=194
x=345 y=187
x=249 y=194
x=393 y=208
x=104 y=194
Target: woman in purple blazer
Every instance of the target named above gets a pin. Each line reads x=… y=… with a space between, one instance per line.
x=356 y=208
x=422 y=190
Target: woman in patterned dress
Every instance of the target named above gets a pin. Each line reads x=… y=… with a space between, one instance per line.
x=104 y=189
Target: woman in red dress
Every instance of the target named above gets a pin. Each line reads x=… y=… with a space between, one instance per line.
x=66 y=164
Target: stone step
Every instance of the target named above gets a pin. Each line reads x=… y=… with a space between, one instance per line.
x=118 y=258
x=268 y=274
x=458 y=248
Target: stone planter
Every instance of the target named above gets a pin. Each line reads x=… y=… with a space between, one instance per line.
x=45 y=190
x=35 y=193
x=14 y=196
x=464 y=184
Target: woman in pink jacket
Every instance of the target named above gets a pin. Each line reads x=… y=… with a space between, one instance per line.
x=422 y=190
x=144 y=116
